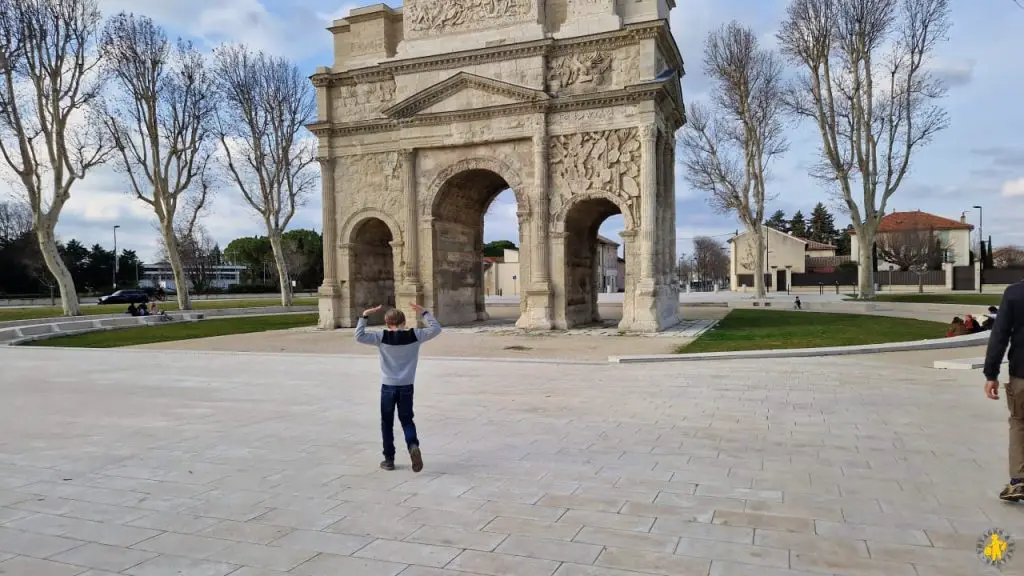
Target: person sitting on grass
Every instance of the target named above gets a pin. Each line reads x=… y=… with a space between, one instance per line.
x=956 y=328
x=399 y=349
x=155 y=310
x=971 y=325
x=132 y=310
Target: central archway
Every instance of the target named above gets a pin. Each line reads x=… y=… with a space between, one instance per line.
x=372 y=265
x=458 y=208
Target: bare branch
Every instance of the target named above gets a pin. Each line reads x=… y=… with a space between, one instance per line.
x=727 y=149
x=866 y=85
x=160 y=116
x=267 y=103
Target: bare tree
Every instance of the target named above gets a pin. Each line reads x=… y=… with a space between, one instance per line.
x=710 y=259
x=727 y=148
x=866 y=84
x=915 y=250
x=15 y=221
x=266 y=104
x=685 y=269
x=48 y=70
x=160 y=119
x=1011 y=256
x=197 y=250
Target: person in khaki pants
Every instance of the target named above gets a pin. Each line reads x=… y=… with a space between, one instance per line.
x=1009 y=330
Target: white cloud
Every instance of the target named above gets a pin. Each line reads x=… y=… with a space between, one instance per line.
x=1013 y=188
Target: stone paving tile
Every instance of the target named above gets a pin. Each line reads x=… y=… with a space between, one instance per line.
x=849 y=566
x=103 y=557
x=454 y=537
x=501 y=564
x=374 y=528
x=341 y=544
x=82 y=510
x=332 y=565
x=270 y=557
x=811 y=543
x=186 y=545
x=177 y=565
x=653 y=562
x=767 y=521
x=31 y=544
x=244 y=532
x=607 y=520
x=86 y=530
x=174 y=522
x=876 y=533
x=408 y=553
x=23 y=566
x=702 y=530
x=627 y=539
x=549 y=549
x=727 y=568
x=744 y=553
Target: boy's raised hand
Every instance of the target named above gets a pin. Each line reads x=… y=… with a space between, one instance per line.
x=419 y=309
x=373 y=310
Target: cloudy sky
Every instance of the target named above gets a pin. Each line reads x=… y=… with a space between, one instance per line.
x=978 y=160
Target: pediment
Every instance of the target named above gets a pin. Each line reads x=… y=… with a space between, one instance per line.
x=464 y=91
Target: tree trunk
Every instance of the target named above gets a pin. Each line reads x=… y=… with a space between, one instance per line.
x=48 y=246
x=181 y=286
x=920 y=283
x=759 y=263
x=866 y=267
x=282 y=268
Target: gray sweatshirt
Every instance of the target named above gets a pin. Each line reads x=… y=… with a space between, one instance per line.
x=399 y=349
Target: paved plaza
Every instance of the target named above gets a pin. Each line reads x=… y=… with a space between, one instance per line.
x=153 y=463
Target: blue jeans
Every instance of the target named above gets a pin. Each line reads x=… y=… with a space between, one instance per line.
x=390 y=398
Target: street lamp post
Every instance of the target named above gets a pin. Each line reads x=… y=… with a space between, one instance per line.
x=981 y=243
x=115 y=257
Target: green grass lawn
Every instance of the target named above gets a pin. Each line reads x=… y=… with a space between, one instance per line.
x=7 y=314
x=746 y=329
x=171 y=331
x=966 y=299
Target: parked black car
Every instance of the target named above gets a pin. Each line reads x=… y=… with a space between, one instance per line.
x=125 y=297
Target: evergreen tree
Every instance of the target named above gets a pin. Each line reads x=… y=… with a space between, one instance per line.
x=823 y=226
x=778 y=221
x=797 y=225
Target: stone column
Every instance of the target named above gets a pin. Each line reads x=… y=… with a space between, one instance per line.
x=411 y=289
x=648 y=199
x=330 y=295
x=538 y=305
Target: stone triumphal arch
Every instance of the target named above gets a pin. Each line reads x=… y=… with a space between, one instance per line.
x=431 y=110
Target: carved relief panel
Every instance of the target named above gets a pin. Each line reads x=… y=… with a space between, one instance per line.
x=436 y=17
x=595 y=163
x=369 y=181
x=584 y=71
x=363 y=101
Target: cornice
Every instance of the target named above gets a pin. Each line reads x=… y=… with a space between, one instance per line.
x=628 y=35
x=657 y=91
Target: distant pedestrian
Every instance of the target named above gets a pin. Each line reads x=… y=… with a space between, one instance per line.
x=796 y=304
x=399 y=349
x=1008 y=330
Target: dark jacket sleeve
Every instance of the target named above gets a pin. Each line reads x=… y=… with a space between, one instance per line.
x=1002 y=330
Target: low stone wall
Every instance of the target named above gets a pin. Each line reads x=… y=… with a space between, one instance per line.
x=211 y=313
x=932 y=312
x=15 y=335
x=41 y=329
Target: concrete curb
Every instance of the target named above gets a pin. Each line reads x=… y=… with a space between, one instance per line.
x=210 y=312
x=934 y=344
x=23 y=334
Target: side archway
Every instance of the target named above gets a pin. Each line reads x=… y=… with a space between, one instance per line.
x=589 y=263
x=374 y=252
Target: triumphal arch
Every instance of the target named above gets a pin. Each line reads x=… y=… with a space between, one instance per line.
x=431 y=110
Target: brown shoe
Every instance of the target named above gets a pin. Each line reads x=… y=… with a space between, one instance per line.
x=1012 y=493
x=387 y=465
x=417 y=458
